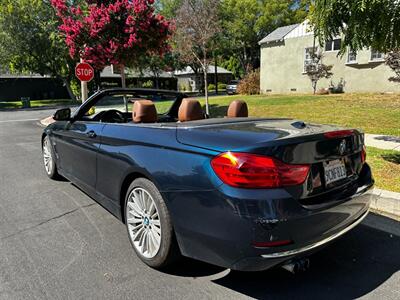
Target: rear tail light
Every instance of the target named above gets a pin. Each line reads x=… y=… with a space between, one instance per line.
x=363 y=154
x=338 y=134
x=246 y=170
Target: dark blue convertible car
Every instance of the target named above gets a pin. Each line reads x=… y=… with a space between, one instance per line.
x=238 y=192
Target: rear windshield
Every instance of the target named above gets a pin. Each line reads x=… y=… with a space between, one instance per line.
x=234 y=82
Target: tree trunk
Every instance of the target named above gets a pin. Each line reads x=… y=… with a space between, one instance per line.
x=205 y=71
x=69 y=90
x=216 y=75
x=314 y=85
x=123 y=85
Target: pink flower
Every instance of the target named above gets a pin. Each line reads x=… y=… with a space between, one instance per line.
x=112 y=32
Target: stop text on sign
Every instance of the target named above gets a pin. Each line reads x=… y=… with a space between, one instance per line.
x=84 y=72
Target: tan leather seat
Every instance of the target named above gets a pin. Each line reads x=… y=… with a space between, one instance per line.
x=190 y=110
x=144 y=111
x=238 y=109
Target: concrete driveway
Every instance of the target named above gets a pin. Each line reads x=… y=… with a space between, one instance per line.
x=57 y=243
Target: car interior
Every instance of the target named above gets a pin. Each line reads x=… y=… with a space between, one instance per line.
x=147 y=109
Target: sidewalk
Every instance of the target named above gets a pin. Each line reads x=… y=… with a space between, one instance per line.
x=385 y=142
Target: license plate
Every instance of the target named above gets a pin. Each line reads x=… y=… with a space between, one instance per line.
x=335 y=170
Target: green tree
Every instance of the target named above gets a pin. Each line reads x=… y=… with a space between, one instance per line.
x=392 y=59
x=364 y=23
x=168 y=8
x=246 y=22
x=29 y=40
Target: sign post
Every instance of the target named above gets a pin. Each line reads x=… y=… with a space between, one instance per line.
x=85 y=73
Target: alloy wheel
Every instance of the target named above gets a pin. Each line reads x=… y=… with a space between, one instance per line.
x=143 y=222
x=47 y=156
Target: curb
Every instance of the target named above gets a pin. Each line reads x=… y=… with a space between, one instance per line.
x=386 y=203
x=40 y=107
x=46 y=121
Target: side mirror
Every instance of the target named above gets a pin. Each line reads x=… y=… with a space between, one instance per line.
x=63 y=114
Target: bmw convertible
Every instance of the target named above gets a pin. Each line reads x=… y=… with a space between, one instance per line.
x=235 y=191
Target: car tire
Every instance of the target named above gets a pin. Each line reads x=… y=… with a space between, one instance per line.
x=49 y=159
x=148 y=223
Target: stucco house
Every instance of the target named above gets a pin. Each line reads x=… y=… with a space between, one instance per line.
x=286 y=51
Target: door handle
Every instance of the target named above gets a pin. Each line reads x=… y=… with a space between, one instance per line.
x=91 y=134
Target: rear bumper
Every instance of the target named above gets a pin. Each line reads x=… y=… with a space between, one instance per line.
x=318 y=244
x=220 y=226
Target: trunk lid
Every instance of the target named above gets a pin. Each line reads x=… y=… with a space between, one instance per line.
x=291 y=141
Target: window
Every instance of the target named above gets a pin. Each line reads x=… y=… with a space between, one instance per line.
x=352 y=57
x=308 y=56
x=376 y=55
x=333 y=45
x=123 y=102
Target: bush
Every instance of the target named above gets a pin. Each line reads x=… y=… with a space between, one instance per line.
x=339 y=88
x=221 y=86
x=185 y=87
x=322 y=92
x=211 y=87
x=147 y=84
x=250 y=84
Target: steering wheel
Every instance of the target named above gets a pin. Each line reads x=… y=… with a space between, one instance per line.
x=113 y=116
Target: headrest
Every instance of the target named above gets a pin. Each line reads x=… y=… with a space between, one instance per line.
x=238 y=109
x=144 y=111
x=190 y=110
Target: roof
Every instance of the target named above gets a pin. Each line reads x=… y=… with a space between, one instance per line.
x=278 y=34
x=20 y=76
x=211 y=70
x=110 y=72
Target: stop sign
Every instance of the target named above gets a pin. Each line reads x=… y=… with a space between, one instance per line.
x=84 y=72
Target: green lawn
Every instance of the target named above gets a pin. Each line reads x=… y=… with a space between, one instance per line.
x=373 y=113
x=385 y=166
x=36 y=103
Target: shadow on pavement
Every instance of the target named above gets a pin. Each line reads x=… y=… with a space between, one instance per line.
x=187 y=267
x=351 y=267
x=387 y=138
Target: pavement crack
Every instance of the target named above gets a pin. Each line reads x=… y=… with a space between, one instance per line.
x=46 y=221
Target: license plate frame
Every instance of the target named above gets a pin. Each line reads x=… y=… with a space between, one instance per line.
x=334 y=170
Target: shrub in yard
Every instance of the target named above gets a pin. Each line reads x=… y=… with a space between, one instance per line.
x=250 y=84
x=147 y=84
x=337 y=89
x=323 y=92
x=211 y=87
x=185 y=87
x=221 y=86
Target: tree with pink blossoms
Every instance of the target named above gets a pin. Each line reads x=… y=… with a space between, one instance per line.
x=119 y=32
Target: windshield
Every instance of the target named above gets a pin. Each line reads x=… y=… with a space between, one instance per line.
x=123 y=102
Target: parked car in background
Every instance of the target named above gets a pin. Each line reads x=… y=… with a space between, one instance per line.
x=232 y=87
x=238 y=192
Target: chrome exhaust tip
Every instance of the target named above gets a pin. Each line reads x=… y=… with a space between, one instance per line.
x=297 y=266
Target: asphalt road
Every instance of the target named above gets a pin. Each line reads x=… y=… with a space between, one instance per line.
x=57 y=243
